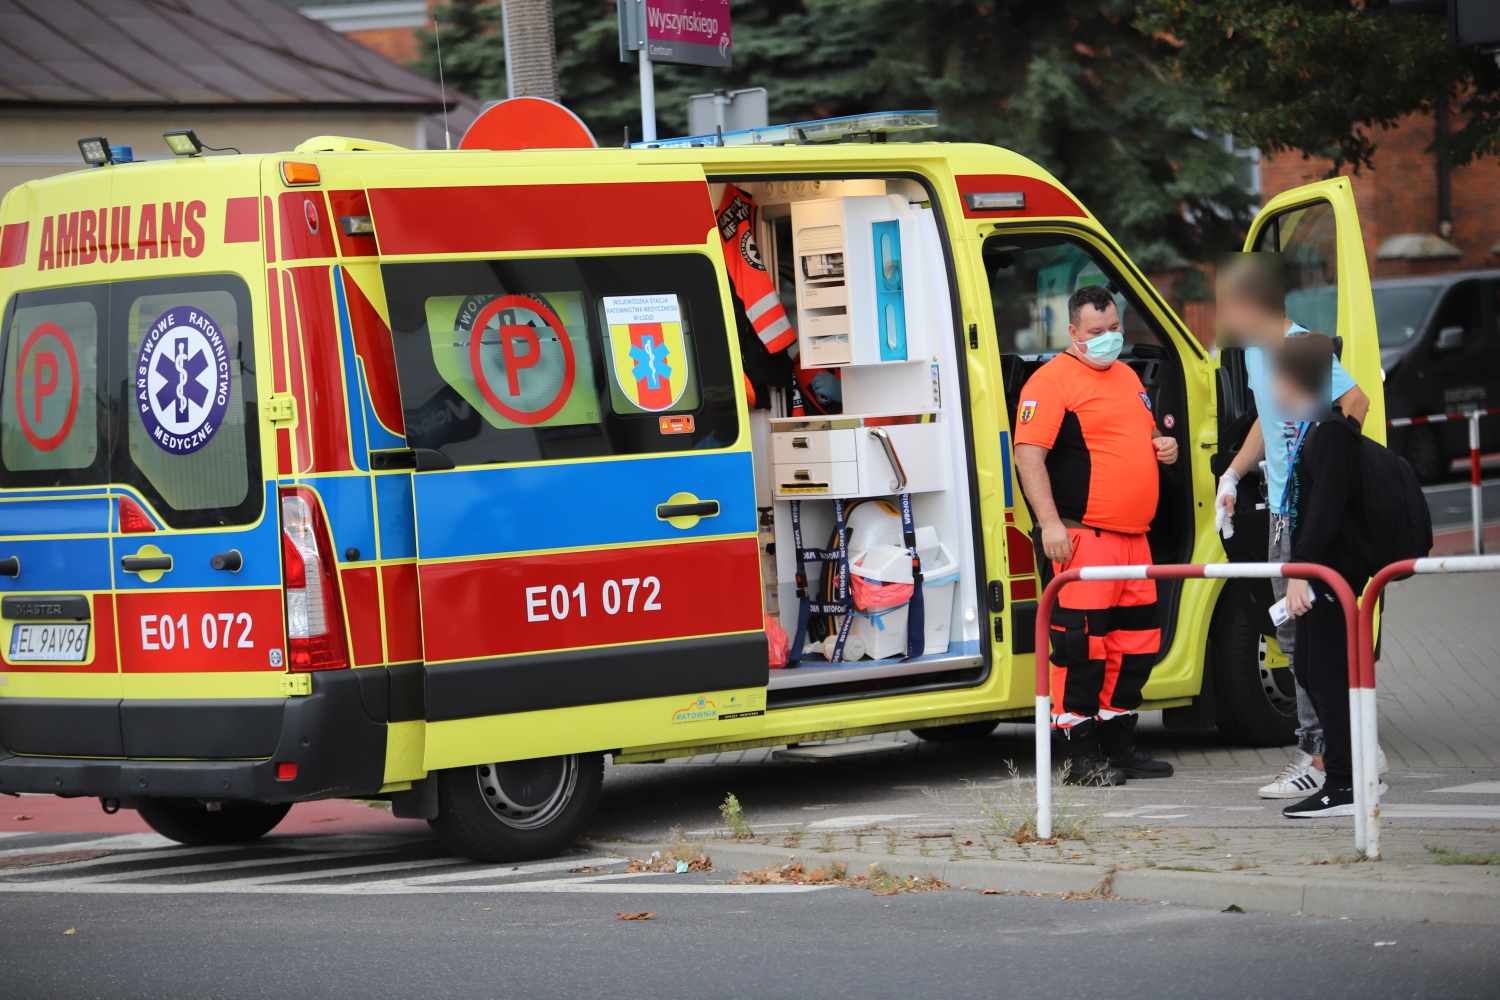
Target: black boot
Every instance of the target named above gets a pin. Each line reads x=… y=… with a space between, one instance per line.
x=1117 y=741
x=1079 y=745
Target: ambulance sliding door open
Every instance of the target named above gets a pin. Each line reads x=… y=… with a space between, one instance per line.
x=861 y=272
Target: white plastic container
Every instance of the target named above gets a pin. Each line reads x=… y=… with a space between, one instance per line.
x=940 y=577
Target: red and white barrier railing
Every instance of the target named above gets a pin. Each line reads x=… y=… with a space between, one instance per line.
x=1211 y=571
x=1476 y=487
x=1366 y=735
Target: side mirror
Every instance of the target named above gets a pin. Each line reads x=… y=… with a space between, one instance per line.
x=1449 y=339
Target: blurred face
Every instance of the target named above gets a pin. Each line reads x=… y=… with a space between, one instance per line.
x=1293 y=402
x=1246 y=321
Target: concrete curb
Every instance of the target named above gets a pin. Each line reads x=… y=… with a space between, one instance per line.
x=1317 y=896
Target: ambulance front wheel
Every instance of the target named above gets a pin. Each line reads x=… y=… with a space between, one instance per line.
x=517 y=810
x=192 y=822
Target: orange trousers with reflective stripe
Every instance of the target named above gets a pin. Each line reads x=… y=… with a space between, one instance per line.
x=1105 y=633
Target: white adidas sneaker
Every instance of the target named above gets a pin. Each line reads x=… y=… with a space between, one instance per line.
x=1297 y=780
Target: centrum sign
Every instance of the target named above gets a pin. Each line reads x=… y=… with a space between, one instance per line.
x=695 y=32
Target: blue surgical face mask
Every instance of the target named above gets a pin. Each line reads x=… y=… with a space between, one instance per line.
x=1104 y=349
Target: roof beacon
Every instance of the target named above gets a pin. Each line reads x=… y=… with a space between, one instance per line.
x=877 y=126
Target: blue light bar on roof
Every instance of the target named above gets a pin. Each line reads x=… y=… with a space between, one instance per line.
x=822 y=130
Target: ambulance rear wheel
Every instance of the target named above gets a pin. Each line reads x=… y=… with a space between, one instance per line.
x=517 y=810
x=189 y=821
x=1253 y=705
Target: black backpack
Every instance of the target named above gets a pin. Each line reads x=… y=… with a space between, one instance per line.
x=1397 y=523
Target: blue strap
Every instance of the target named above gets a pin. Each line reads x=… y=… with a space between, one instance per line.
x=794 y=655
x=916 y=625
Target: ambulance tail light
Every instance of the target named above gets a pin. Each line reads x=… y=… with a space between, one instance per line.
x=314 y=613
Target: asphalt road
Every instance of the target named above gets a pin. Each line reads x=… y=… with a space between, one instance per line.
x=1451 y=503
x=706 y=940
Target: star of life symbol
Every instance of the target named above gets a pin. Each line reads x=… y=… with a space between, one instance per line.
x=650 y=362
x=182 y=380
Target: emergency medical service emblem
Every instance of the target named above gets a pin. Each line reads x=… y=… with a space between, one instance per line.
x=646 y=348
x=1028 y=410
x=182 y=380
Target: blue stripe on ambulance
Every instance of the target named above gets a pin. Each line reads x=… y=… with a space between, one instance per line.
x=398 y=519
x=260 y=545
x=350 y=506
x=1005 y=472
x=61 y=565
x=363 y=425
x=83 y=516
x=576 y=505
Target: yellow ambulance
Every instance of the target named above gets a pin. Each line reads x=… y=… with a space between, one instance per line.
x=357 y=471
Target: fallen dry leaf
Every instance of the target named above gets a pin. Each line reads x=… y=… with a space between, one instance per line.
x=69 y=932
x=25 y=816
x=992 y=892
x=636 y=916
x=584 y=870
x=967 y=843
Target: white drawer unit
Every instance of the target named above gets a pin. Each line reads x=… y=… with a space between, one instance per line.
x=858 y=456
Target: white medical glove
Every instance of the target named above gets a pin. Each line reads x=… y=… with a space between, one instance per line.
x=1224 y=517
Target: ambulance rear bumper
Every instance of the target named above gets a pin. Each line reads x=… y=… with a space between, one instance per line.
x=332 y=736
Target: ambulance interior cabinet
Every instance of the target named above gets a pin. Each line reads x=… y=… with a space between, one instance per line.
x=857 y=456
x=859 y=281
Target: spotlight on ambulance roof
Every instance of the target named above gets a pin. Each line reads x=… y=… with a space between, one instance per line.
x=877 y=126
x=95 y=151
x=184 y=142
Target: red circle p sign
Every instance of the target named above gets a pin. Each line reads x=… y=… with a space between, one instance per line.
x=530 y=353
x=47 y=386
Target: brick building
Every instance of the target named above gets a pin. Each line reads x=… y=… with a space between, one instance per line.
x=1400 y=207
x=385 y=26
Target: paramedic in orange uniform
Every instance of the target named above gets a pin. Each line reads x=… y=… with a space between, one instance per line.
x=1086 y=449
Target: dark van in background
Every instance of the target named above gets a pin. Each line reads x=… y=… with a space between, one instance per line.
x=1440 y=350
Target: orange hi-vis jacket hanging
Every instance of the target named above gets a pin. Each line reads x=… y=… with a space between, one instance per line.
x=747 y=271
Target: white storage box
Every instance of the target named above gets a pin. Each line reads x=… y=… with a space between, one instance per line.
x=940 y=577
x=809 y=445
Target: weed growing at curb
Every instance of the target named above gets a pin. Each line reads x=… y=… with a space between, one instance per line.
x=734 y=818
x=793 y=838
x=1443 y=856
x=892 y=841
x=826 y=844
x=1012 y=812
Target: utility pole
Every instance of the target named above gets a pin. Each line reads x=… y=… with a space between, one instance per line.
x=648 y=97
x=530 y=49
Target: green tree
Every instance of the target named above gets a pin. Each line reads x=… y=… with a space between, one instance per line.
x=1072 y=84
x=1318 y=75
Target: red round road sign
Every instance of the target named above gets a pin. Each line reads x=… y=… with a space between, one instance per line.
x=42 y=386
x=528 y=123
x=514 y=363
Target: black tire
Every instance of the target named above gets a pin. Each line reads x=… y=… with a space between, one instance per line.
x=1252 y=707
x=189 y=821
x=962 y=732
x=517 y=810
x=1424 y=450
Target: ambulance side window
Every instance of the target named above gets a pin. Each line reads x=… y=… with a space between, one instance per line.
x=566 y=358
x=50 y=405
x=187 y=434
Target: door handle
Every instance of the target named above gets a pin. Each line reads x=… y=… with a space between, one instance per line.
x=145 y=564
x=10 y=566
x=698 y=508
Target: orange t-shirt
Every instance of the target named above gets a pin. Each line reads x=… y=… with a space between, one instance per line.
x=1097 y=425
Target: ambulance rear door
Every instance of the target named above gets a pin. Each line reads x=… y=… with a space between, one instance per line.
x=59 y=679
x=583 y=486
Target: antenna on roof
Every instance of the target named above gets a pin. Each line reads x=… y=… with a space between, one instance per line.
x=437 y=36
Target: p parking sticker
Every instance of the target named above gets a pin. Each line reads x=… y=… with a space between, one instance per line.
x=526 y=369
x=47 y=386
x=182 y=380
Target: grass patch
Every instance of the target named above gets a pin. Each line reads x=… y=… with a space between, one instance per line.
x=1443 y=856
x=1011 y=810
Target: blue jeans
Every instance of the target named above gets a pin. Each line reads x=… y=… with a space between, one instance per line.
x=1309 y=729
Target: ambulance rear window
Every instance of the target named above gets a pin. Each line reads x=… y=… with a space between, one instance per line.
x=49 y=400
x=534 y=360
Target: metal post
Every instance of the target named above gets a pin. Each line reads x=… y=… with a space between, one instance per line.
x=1476 y=487
x=648 y=97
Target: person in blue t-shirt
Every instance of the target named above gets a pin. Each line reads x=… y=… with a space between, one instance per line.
x=1252 y=303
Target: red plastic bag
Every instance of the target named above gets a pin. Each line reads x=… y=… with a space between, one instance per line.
x=776 y=639
x=872 y=595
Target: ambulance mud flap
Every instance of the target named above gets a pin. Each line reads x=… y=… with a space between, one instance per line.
x=338 y=748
